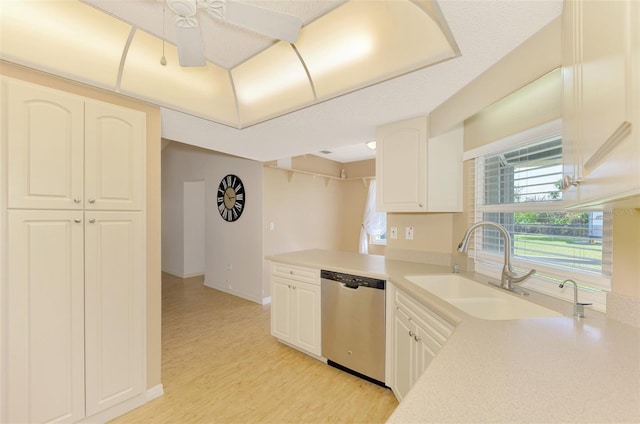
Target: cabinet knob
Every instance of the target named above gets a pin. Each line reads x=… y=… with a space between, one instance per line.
x=76 y=200
x=92 y=200
x=77 y=220
x=416 y=338
x=411 y=333
x=92 y=220
x=421 y=205
x=569 y=181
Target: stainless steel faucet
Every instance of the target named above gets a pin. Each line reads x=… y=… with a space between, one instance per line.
x=578 y=308
x=509 y=277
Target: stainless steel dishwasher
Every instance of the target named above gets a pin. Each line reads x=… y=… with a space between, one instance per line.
x=353 y=324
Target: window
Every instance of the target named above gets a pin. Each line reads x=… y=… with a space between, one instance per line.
x=379 y=239
x=518 y=186
x=374 y=223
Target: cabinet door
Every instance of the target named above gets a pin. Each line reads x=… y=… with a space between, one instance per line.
x=403 y=352
x=571 y=108
x=114 y=293
x=45 y=133
x=444 y=171
x=45 y=317
x=281 y=303
x=401 y=163
x=424 y=352
x=114 y=165
x=610 y=156
x=601 y=142
x=306 y=310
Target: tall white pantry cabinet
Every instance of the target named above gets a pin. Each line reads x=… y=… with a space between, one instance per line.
x=73 y=262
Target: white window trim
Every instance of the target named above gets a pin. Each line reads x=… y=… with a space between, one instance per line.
x=491 y=265
x=377 y=241
x=539 y=133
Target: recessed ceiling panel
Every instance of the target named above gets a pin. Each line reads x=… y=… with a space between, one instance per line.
x=270 y=84
x=67 y=38
x=365 y=42
x=203 y=91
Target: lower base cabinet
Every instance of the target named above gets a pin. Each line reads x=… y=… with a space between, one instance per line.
x=415 y=334
x=295 y=307
x=75 y=323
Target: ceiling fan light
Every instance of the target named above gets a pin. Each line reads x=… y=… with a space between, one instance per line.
x=189 y=41
x=183 y=7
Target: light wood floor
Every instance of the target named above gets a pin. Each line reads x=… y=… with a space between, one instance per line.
x=221 y=365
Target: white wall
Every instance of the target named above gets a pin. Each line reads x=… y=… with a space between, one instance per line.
x=233 y=250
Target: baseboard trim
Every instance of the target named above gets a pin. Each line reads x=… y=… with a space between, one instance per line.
x=233 y=292
x=124 y=407
x=180 y=275
x=154 y=392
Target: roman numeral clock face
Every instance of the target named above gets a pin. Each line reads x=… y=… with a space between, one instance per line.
x=231 y=198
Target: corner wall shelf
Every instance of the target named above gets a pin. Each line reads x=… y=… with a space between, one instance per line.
x=327 y=177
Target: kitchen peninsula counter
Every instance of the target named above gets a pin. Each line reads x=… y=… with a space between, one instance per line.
x=528 y=370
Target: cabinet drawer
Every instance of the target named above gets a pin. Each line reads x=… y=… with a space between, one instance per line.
x=437 y=327
x=308 y=275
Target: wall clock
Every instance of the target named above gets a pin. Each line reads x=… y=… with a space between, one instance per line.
x=231 y=198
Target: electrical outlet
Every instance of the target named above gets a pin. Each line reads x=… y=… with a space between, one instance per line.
x=408 y=233
x=393 y=233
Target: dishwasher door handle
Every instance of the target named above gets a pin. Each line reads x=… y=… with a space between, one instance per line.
x=346 y=286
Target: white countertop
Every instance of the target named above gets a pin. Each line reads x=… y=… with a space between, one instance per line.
x=529 y=370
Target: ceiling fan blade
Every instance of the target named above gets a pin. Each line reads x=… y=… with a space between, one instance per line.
x=267 y=22
x=189 y=42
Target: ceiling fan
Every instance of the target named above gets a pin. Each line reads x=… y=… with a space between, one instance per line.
x=257 y=19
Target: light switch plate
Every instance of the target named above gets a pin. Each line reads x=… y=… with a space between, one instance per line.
x=393 y=233
x=408 y=233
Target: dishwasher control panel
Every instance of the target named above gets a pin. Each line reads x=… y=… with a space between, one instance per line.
x=353 y=281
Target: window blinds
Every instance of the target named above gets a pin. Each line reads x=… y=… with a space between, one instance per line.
x=519 y=188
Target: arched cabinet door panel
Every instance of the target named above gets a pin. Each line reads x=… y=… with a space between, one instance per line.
x=114 y=166
x=45 y=137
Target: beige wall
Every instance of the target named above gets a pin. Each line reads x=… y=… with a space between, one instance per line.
x=528 y=107
x=531 y=60
x=432 y=237
x=153 y=198
x=314 y=212
x=626 y=252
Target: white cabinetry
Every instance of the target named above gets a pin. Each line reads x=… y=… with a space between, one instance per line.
x=601 y=112
x=66 y=152
x=114 y=307
x=415 y=334
x=45 y=316
x=295 y=307
x=415 y=172
x=75 y=257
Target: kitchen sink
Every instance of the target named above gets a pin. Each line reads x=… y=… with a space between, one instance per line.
x=480 y=300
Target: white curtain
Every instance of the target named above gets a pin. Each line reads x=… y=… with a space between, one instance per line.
x=373 y=223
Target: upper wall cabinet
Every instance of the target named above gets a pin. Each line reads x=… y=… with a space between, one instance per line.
x=601 y=110
x=67 y=152
x=416 y=173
